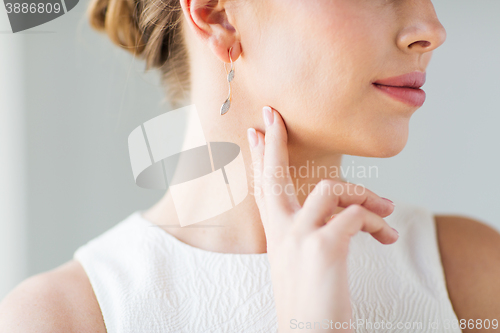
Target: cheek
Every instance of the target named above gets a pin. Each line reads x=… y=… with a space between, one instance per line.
x=297 y=66
x=321 y=75
x=318 y=73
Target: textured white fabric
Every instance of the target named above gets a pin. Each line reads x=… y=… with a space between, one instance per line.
x=148 y=281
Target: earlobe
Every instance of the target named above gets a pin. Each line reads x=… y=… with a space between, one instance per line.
x=208 y=19
x=235 y=50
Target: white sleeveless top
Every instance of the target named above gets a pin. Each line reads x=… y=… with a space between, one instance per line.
x=148 y=281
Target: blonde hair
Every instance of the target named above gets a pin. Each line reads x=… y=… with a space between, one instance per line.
x=151 y=30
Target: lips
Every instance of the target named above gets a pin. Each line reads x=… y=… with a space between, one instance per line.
x=404 y=88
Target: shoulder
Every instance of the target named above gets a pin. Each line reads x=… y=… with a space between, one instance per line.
x=60 y=300
x=470 y=254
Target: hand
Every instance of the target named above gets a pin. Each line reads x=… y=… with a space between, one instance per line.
x=307 y=249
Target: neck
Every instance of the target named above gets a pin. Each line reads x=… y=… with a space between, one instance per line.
x=240 y=229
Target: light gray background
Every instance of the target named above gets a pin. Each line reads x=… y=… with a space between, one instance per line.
x=73 y=98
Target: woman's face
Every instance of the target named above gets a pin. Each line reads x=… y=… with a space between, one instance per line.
x=315 y=61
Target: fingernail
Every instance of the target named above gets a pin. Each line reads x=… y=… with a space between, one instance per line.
x=396 y=231
x=389 y=201
x=268 y=115
x=252 y=137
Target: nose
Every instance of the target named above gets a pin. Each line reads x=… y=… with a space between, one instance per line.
x=425 y=33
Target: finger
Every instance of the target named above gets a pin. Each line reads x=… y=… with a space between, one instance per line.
x=356 y=218
x=329 y=194
x=279 y=191
x=256 y=143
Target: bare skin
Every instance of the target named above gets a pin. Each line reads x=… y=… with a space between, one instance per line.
x=347 y=45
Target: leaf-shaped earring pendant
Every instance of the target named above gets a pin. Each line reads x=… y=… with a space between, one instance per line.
x=225 y=107
x=230 y=76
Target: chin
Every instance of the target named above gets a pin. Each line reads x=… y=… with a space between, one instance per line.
x=391 y=141
x=389 y=151
x=380 y=147
x=390 y=148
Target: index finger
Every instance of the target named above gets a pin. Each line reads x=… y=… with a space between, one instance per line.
x=276 y=205
x=279 y=191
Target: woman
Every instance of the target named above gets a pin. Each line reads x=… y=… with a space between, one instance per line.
x=334 y=77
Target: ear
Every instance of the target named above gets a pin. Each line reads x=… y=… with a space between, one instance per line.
x=209 y=21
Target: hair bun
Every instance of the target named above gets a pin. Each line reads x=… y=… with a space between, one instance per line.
x=152 y=30
x=119 y=20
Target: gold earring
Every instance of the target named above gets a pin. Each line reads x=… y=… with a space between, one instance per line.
x=230 y=76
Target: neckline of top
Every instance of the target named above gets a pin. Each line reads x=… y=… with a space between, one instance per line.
x=138 y=215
